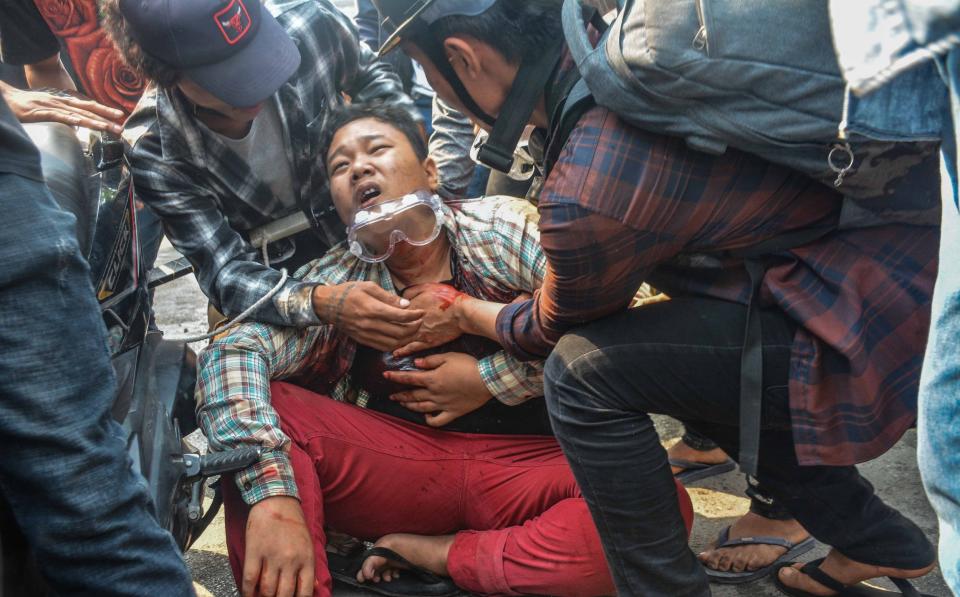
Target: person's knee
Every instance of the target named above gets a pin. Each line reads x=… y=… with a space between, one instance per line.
x=571 y=360
x=561 y=373
x=576 y=379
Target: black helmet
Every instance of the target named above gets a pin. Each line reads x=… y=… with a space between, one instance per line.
x=405 y=17
x=410 y=20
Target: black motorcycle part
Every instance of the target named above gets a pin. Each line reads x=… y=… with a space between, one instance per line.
x=154 y=433
x=218 y=463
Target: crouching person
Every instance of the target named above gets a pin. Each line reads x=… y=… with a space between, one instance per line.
x=498 y=513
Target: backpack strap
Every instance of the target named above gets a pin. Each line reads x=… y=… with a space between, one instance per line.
x=569 y=98
x=575 y=101
x=532 y=78
x=751 y=356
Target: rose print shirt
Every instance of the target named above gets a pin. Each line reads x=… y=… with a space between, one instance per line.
x=97 y=69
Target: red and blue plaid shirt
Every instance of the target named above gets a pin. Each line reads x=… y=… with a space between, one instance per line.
x=622 y=205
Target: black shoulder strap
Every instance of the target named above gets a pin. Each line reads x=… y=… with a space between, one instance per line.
x=572 y=105
x=527 y=89
x=751 y=356
x=567 y=102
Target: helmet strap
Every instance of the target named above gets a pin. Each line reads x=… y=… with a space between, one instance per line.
x=528 y=87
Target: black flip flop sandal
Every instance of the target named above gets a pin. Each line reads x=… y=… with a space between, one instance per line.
x=794 y=550
x=812 y=569
x=414 y=582
x=697 y=471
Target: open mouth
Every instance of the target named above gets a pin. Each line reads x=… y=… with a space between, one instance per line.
x=367 y=193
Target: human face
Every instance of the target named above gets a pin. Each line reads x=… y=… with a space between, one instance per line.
x=484 y=72
x=218 y=109
x=369 y=162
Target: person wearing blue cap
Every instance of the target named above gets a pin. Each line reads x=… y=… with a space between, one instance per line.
x=224 y=142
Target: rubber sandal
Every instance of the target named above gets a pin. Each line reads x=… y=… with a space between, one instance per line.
x=794 y=550
x=413 y=582
x=812 y=569
x=697 y=471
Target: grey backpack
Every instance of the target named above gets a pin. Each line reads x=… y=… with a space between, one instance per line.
x=760 y=76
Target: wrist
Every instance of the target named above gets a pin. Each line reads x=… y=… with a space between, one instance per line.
x=320 y=300
x=464 y=308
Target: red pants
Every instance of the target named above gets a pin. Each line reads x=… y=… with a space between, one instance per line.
x=521 y=526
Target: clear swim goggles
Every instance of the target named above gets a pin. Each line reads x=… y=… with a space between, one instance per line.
x=415 y=218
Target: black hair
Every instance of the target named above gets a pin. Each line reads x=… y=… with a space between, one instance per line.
x=394 y=116
x=132 y=53
x=519 y=29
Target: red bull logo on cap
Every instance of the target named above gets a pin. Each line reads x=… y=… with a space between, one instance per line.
x=233 y=21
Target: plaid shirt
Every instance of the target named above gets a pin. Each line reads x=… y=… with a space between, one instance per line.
x=623 y=206
x=497 y=245
x=208 y=197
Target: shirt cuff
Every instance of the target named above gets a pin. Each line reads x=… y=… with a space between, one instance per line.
x=295 y=304
x=271 y=476
x=502 y=381
x=505 y=330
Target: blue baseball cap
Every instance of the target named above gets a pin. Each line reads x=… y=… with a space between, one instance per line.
x=234 y=49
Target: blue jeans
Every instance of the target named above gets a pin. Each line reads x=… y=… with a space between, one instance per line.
x=938 y=438
x=64 y=469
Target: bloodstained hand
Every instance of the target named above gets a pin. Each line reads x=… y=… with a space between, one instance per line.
x=442 y=317
x=279 y=559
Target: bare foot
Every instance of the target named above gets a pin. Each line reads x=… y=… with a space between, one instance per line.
x=426 y=552
x=681 y=451
x=753 y=557
x=845 y=571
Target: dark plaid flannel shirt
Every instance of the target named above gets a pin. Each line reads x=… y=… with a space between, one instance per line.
x=207 y=196
x=622 y=205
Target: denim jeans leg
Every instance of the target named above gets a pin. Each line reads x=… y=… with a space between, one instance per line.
x=938 y=436
x=64 y=468
x=681 y=358
x=621 y=468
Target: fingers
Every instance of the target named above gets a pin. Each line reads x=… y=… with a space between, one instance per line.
x=418 y=401
x=379 y=341
x=73 y=118
x=394 y=315
x=88 y=105
x=252 y=565
x=383 y=296
x=409 y=349
x=422 y=407
x=409 y=378
x=398 y=332
x=370 y=569
x=306 y=581
x=269 y=577
x=287 y=583
x=440 y=419
x=385 y=336
x=390 y=307
x=431 y=362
